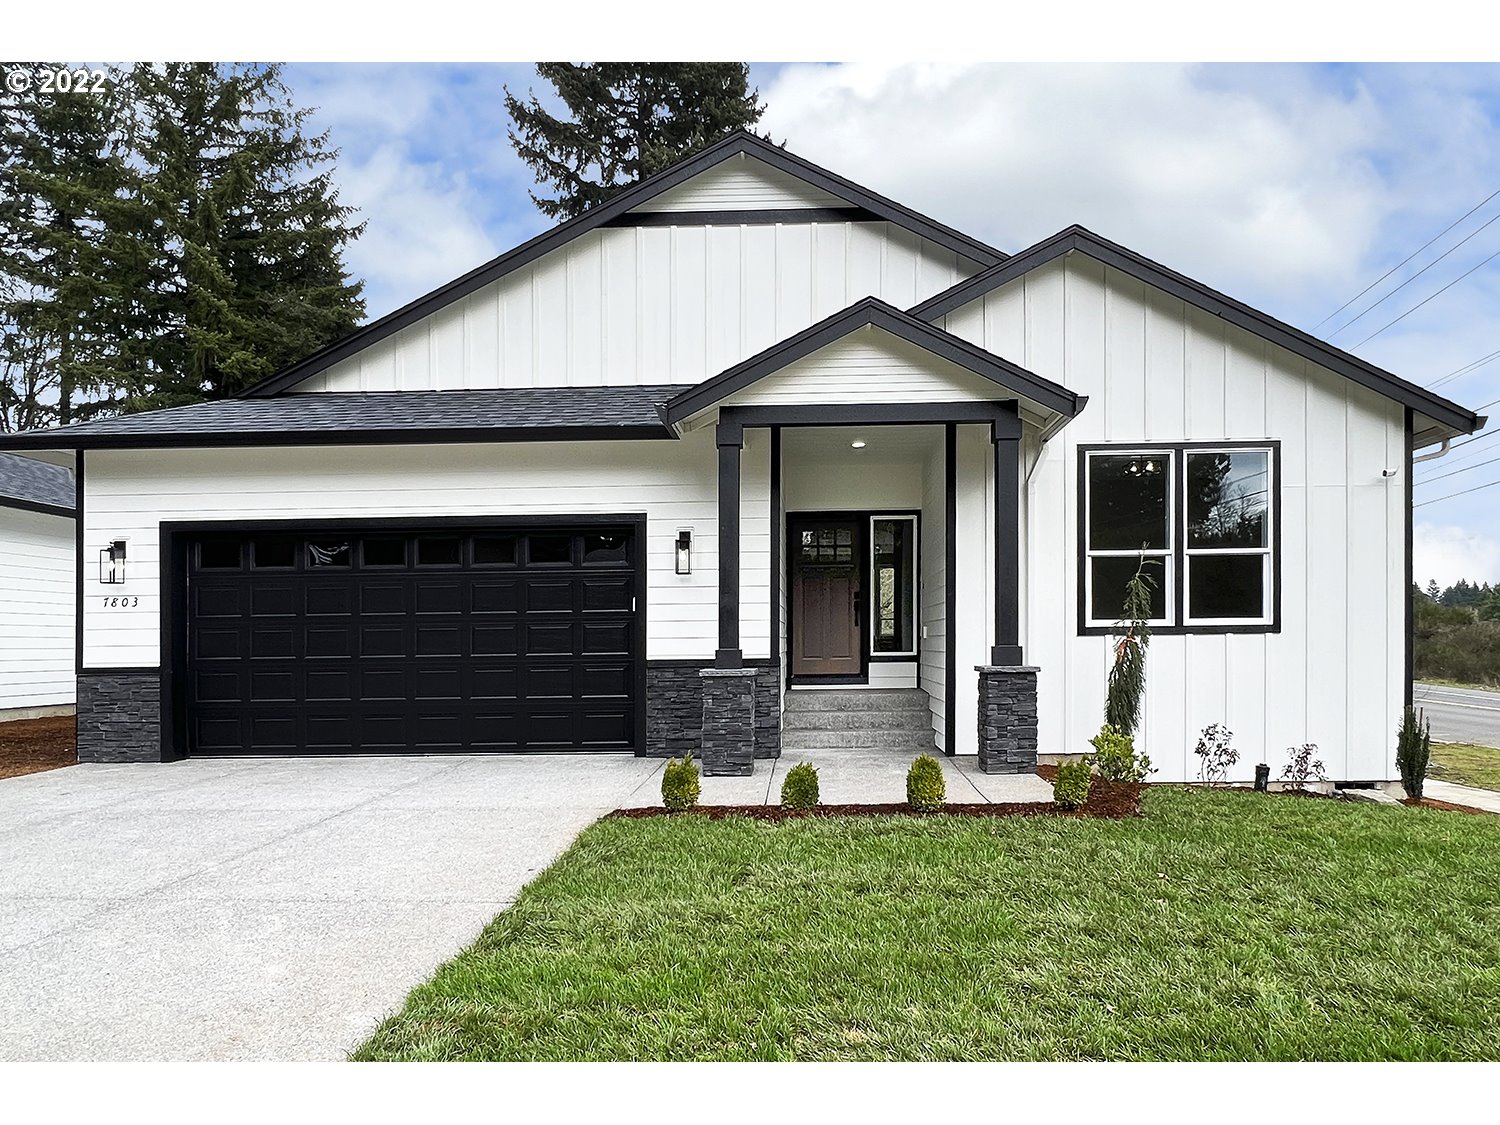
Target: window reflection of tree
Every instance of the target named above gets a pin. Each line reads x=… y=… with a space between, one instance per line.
x=1227 y=507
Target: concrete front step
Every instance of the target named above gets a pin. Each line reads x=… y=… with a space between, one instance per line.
x=857 y=739
x=858 y=699
x=917 y=722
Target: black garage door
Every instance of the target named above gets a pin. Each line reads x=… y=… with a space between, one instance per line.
x=435 y=641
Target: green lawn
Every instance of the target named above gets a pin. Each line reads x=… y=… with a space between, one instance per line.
x=1465 y=764
x=1219 y=926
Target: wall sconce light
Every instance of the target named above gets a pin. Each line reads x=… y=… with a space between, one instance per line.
x=112 y=563
x=685 y=550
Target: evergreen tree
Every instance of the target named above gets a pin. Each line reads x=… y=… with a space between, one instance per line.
x=69 y=256
x=248 y=228
x=1434 y=593
x=626 y=121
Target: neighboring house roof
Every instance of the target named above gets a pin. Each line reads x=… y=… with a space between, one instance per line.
x=873 y=312
x=515 y=414
x=35 y=485
x=867 y=205
x=1449 y=416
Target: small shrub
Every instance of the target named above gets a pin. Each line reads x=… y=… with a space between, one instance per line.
x=679 y=784
x=925 y=788
x=1115 y=757
x=1302 y=767
x=800 y=789
x=1071 y=789
x=1413 y=748
x=1216 y=753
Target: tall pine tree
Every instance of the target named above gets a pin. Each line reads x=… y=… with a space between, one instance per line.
x=70 y=256
x=248 y=231
x=626 y=121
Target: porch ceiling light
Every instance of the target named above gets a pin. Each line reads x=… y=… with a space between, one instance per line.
x=856 y=445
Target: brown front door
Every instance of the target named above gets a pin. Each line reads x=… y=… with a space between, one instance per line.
x=827 y=561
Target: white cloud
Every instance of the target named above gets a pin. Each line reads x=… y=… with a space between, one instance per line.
x=1266 y=184
x=1450 y=553
x=423 y=226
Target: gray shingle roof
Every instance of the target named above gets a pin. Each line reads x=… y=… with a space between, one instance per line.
x=513 y=414
x=33 y=482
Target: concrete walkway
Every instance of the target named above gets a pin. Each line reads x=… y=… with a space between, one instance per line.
x=1486 y=799
x=848 y=777
x=272 y=909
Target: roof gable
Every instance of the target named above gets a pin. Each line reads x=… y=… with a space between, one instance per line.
x=741 y=183
x=1448 y=415
x=827 y=335
x=617 y=210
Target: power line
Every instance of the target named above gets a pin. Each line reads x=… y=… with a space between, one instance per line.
x=1451 y=495
x=1455 y=472
x=1419 y=273
x=1403 y=262
x=1422 y=302
x=1475 y=365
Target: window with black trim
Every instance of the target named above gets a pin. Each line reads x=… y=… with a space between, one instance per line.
x=1201 y=517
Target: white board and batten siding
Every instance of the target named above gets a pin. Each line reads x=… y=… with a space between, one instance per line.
x=130 y=493
x=627 y=306
x=1157 y=370
x=37 y=601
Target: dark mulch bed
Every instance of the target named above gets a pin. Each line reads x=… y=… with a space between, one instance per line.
x=34 y=745
x=1111 y=800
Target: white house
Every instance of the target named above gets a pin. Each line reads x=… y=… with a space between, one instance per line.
x=745 y=433
x=37 y=580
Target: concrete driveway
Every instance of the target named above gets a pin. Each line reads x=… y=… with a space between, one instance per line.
x=269 y=909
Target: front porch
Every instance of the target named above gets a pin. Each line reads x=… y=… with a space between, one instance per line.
x=893 y=522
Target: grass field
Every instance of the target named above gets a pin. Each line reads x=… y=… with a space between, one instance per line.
x=1465 y=764
x=1218 y=926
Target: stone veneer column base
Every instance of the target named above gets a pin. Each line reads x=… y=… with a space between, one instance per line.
x=1007 y=719
x=119 y=717
x=674 y=709
x=728 y=748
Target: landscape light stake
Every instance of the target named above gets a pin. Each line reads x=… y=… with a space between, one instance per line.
x=1262 y=778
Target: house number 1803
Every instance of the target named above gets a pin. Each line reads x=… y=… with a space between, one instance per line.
x=121 y=601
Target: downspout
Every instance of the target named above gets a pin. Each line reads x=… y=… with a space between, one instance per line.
x=1440 y=451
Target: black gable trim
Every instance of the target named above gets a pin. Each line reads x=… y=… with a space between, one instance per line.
x=761 y=218
x=528 y=252
x=876 y=313
x=1211 y=301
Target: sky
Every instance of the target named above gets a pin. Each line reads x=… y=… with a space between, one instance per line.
x=1289 y=186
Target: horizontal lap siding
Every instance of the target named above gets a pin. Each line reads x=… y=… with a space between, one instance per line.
x=647 y=305
x=129 y=494
x=37 y=596
x=932 y=667
x=1156 y=370
x=741 y=184
x=869 y=367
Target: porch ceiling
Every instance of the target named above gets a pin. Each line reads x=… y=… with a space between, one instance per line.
x=832 y=445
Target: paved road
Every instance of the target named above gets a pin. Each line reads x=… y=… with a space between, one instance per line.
x=272 y=909
x=1460 y=714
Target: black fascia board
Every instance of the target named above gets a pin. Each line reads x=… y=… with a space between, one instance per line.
x=734 y=144
x=1200 y=296
x=37 y=506
x=58 y=439
x=873 y=312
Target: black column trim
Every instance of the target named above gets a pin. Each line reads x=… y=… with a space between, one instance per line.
x=1410 y=655
x=1006 y=435
x=78 y=566
x=950 y=592
x=776 y=545
x=730 y=439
